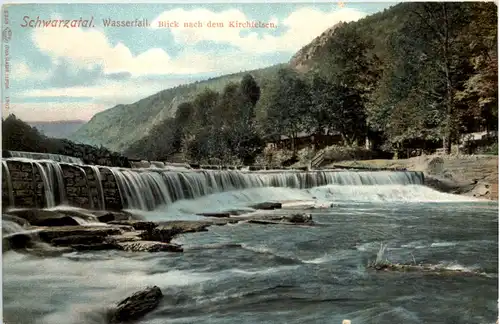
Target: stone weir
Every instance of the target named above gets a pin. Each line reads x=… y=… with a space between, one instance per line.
x=46 y=183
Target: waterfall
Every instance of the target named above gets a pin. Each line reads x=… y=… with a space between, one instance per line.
x=56 y=174
x=149 y=188
x=8 y=178
x=45 y=156
x=10 y=227
x=47 y=185
x=100 y=190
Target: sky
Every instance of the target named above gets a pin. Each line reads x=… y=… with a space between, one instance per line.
x=76 y=69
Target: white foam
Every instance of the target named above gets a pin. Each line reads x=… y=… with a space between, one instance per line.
x=386 y=193
x=324 y=259
x=443 y=244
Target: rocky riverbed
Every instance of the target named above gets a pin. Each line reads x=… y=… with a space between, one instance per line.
x=98 y=258
x=57 y=231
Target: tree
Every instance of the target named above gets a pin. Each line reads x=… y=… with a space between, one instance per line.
x=182 y=125
x=407 y=103
x=250 y=140
x=337 y=108
x=204 y=105
x=250 y=90
x=478 y=97
x=343 y=84
x=441 y=25
x=350 y=60
x=288 y=105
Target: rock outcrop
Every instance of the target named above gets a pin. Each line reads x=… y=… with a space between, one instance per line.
x=302 y=61
x=424 y=268
x=136 y=306
x=267 y=205
x=126 y=235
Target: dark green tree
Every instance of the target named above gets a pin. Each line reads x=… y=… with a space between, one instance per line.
x=338 y=109
x=289 y=105
x=438 y=26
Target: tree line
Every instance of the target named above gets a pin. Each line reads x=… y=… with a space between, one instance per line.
x=435 y=79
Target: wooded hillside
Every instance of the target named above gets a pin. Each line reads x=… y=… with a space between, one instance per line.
x=418 y=75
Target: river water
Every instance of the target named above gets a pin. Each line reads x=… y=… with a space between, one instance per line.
x=247 y=273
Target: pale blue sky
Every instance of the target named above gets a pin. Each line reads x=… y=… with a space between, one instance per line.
x=72 y=73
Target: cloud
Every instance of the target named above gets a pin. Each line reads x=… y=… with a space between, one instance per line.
x=20 y=70
x=106 y=94
x=301 y=27
x=87 y=64
x=51 y=111
x=109 y=92
x=91 y=49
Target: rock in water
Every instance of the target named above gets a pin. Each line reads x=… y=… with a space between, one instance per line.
x=137 y=305
x=136 y=224
x=299 y=218
x=216 y=214
x=267 y=205
x=18 y=220
x=149 y=246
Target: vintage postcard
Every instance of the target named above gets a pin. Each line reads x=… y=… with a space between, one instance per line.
x=250 y=162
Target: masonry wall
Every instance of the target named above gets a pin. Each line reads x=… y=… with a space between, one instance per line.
x=80 y=182
x=112 y=196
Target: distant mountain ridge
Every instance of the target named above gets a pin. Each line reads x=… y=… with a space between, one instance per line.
x=118 y=127
x=58 y=129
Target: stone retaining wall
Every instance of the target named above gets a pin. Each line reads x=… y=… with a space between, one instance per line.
x=77 y=188
x=112 y=196
x=22 y=183
x=81 y=187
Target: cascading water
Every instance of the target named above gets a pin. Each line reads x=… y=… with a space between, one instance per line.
x=45 y=156
x=47 y=185
x=56 y=176
x=100 y=190
x=10 y=227
x=8 y=179
x=149 y=188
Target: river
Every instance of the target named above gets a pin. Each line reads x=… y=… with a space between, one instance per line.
x=248 y=273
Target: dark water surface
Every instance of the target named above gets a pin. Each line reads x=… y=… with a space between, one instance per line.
x=247 y=273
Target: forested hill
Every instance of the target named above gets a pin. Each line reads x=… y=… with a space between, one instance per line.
x=118 y=127
x=413 y=76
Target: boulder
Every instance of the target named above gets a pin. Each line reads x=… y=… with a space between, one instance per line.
x=217 y=214
x=267 y=205
x=77 y=240
x=41 y=217
x=60 y=221
x=125 y=237
x=48 y=234
x=168 y=230
x=149 y=246
x=106 y=217
x=15 y=219
x=16 y=241
x=45 y=217
x=136 y=224
x=94 y=247
x=423 y=268
x=137 y=305
x=238 y=212
x=299 y=218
